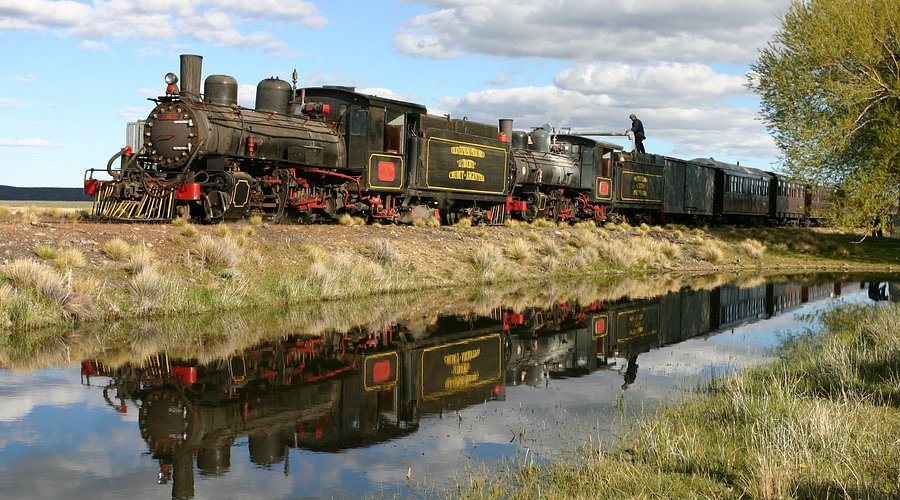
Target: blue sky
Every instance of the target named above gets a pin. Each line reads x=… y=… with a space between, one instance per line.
x=75 y=72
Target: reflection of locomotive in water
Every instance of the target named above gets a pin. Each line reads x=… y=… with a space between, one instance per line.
x=340 y=391
x=326 y=393
x=569 y=340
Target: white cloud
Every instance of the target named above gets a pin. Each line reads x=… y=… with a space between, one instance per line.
x=214 y=21
x=29 y=78
x=10 y=103
x=677 y=30
x=29 y=143
x=94 y=46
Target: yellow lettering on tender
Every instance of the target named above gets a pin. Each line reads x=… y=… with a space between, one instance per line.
x=467 y=151
x=461 y=382
x=461 y=369
x=465 y=163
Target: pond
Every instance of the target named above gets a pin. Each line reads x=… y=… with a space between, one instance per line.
x=402 y=401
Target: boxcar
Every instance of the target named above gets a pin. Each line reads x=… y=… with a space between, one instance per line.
x=689 y=190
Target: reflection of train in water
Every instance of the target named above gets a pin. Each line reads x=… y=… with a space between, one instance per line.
x=354 y=389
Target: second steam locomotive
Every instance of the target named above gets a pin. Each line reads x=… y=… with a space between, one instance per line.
x=315 y=153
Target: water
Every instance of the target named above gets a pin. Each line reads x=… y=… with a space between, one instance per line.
x=401 y=403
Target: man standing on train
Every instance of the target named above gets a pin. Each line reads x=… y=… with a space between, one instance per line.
x=637 y=128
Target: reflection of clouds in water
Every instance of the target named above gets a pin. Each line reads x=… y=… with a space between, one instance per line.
x=21 y=394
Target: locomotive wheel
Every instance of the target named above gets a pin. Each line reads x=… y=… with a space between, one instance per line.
x=552 y=212
x=531 y=208
x=183 y=211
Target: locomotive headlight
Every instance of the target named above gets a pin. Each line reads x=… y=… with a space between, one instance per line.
x=171 y=79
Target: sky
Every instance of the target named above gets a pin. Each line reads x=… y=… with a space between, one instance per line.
x=74 y=73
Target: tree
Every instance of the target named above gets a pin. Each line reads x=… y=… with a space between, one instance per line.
x=830 y=89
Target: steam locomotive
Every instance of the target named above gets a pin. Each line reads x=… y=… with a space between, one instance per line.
x=315 y=153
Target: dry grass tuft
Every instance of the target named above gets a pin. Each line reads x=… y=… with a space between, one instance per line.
x=520 y=250
x=117 y=249
x=709 y=251
x=140 y=257
x=346 y=219
x=753 y=248
x=549 y=247
x=27 y=274
x=255 y=220
x=465 y=222
x=62 y=258
x=222 y=230
x=541 y=222
x=45 y=252
x=427 y=222
x=487 y=262
x=69 y=257
x=188 y=230
x=148 y=288
x=382 y=251
x=585 y=257
x=218 y=253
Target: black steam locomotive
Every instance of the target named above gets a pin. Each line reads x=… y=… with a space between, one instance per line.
x=315 y=153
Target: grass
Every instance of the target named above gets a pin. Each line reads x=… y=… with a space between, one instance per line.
x=822 y=422
x=238 y=264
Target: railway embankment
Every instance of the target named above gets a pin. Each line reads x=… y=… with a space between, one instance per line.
x=55 y=269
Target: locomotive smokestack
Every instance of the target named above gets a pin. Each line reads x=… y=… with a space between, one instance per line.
x=506 y=128
x=191 y=67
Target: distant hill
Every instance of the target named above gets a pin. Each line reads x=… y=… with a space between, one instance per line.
x=42 y=194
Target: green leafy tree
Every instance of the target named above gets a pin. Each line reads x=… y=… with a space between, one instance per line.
x=829 y=83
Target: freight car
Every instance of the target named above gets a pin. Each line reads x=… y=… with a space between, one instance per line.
x=313 y=154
